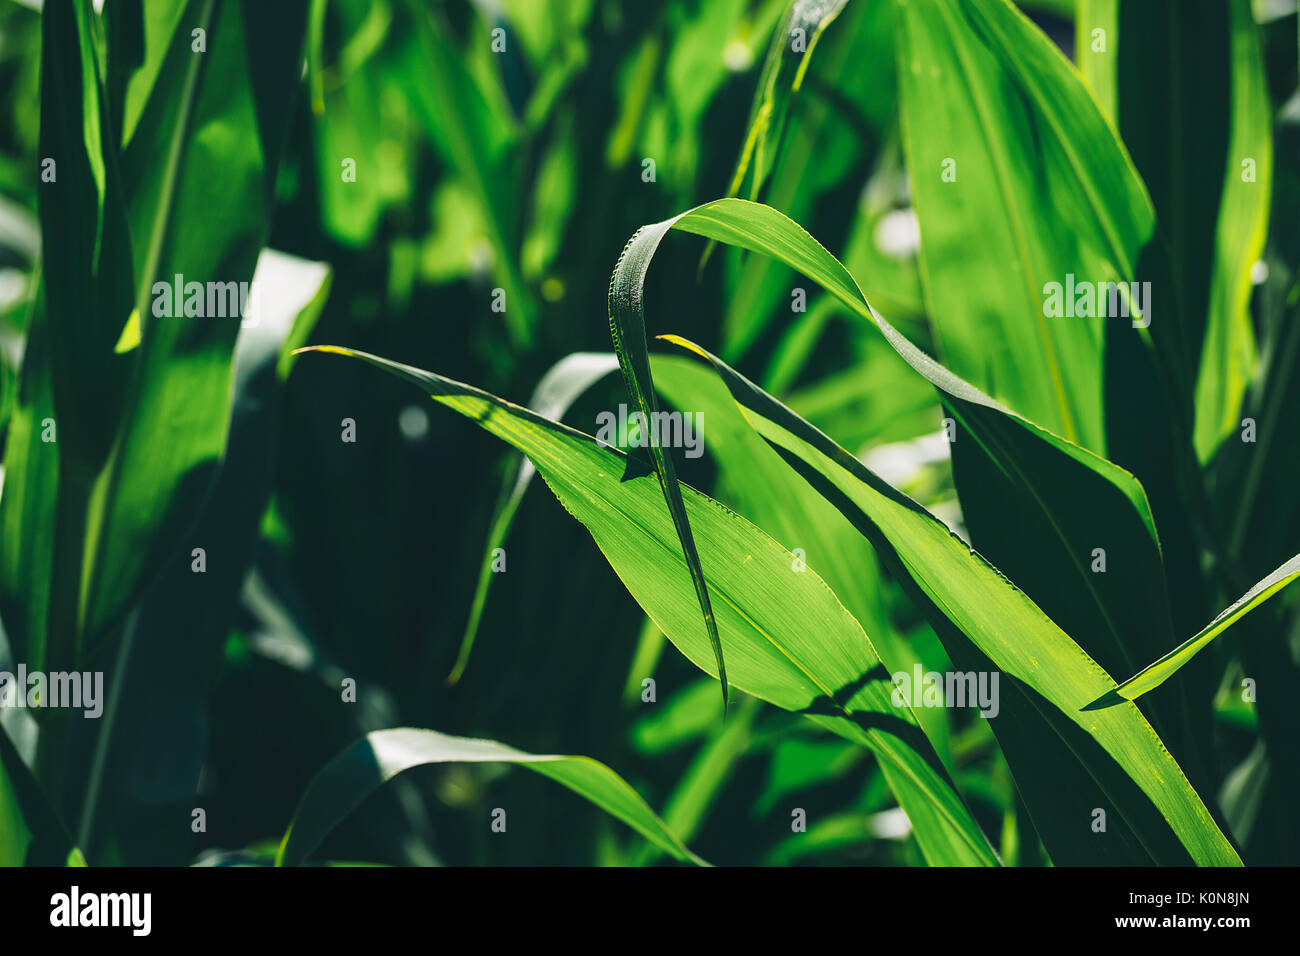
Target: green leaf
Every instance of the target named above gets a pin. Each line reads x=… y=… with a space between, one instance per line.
x=1254 y=481
x=372 y=761
x=627 y=327
x=1228 y=359
x=982 y=618
x=1037 y=505
x=139 y=429
x=790 y=640
x=30 y=831
x=1155 y=674
x=754 y=481
x=85 y=297
x=162 y=714
x=140 y=36
x=1043 y=182
x=29 y=503
x=174 y=425
x=477 y=143
x=846 y=107
x=688 y=716
x=562 y=384
x=1161 y=57
x=698 y=788
x=985 y=621
x=784 y=68
x=1096 y=54
x=350 y=124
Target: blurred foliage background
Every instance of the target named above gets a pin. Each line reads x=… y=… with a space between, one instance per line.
x=525 y=170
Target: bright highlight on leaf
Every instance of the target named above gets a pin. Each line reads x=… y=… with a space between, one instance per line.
x=930 y=499
x=379 y=757
x=1156 y=673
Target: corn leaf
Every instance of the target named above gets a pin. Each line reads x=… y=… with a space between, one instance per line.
x=1037 y=505
x=1004 y=142
x=1156 y=673
x=960 y=587
x=162 y=715
x=380 y=756
x=627 y=328
x=783 y=72
x=562 y=384
x=790 y=640
x=174 y=425
x=1228 y=359
x=1039 y=661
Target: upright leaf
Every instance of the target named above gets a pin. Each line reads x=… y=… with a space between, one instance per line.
x=1018 y=181
x=163 y=713
x=783 y=72
x=1228 y=359
x=166 y=449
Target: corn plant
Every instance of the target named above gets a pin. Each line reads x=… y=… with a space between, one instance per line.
x=974 y=536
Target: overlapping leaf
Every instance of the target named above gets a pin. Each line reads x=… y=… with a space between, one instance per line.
x=975 y=608
x=790 y=642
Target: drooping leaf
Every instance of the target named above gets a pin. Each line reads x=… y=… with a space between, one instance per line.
x=375 y=759
x=1097 y=758
x=790 y=641
x=627 y=328
x=758 y=484
x=1039 y=503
